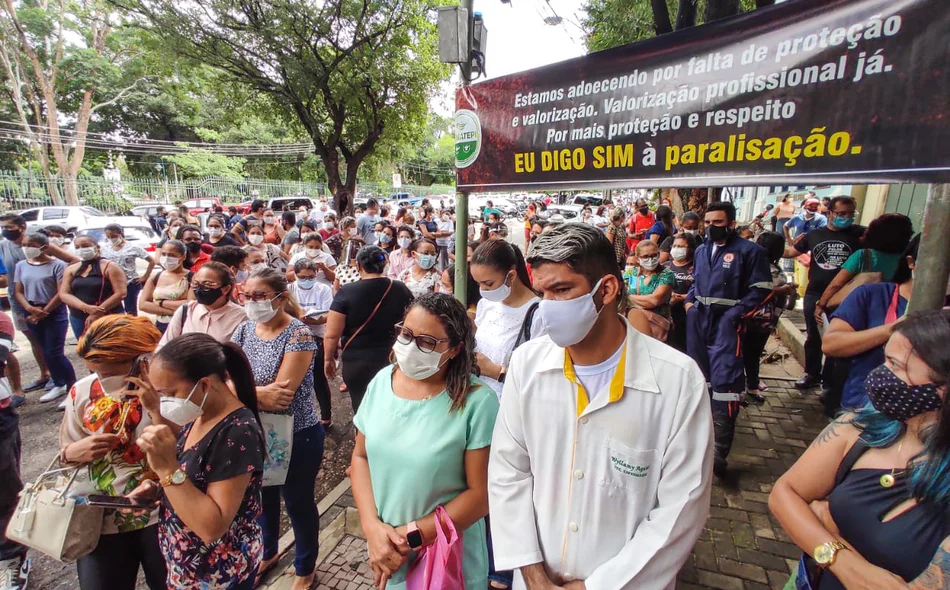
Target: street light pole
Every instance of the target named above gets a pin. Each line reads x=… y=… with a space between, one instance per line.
x=461 y=198
x=933 y=264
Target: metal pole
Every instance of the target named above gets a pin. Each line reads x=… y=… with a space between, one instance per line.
x=933 y=263
x=461 y=198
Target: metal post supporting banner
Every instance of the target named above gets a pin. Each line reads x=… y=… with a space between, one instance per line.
x=461 y=198
x=933 y=257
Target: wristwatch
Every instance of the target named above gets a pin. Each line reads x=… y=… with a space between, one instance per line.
x=502 y=374
x=413 y=535
x=176 y=478
x=826 y=553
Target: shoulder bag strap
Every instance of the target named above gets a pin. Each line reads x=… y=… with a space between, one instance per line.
x=371 y=315
x=184 y=316
x=866 y=262
x=891 y=316
x=102 y=287
x=525 y=333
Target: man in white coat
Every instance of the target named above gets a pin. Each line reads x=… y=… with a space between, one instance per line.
x=601 y=459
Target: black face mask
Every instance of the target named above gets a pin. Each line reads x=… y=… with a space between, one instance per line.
x=11 y=234
x=717 y=233
x=193 y=247
x=895 y=399
x=208 y=296
x=643 y=210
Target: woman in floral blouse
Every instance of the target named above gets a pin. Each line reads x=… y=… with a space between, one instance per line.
x=211 y=472
x=99 y=430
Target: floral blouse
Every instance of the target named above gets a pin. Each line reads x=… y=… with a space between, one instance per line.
x=422 y=286
x=90 y=411
x=234 y=446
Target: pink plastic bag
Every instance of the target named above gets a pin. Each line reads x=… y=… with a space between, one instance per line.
x=439 y=566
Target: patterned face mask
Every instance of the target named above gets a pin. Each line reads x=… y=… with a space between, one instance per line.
x=895 y=399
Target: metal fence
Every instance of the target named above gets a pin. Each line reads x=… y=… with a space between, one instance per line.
x=20 y=191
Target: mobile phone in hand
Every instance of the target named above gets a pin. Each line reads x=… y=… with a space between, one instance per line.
x=118 y=502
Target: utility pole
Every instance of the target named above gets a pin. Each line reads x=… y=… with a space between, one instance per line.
x=461 y=198
x=933 y=262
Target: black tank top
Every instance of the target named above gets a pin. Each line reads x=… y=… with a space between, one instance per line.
x=93 y=288
x=903 y=545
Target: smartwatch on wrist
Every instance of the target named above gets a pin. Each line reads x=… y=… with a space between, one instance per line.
x=502 y=374
x=413 y=535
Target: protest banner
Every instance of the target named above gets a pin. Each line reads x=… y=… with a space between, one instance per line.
x=811 y=92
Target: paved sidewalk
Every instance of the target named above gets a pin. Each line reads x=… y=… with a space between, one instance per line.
x=743 y=547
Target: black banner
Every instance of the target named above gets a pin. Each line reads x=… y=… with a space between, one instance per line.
x=805 y=92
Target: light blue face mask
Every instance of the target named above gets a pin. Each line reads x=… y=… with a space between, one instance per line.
x=306 y=283
x=427 y=261
x=843 y=222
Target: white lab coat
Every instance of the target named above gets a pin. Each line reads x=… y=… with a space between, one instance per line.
x=617 y=496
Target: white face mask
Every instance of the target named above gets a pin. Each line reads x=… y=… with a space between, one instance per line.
x=260 y=311
x=569 y=322
x=169 y=262
x=692 y=232
x=216 y=232
x=445 y=290
x=31 y=252
x=268 y=220
x=182 y=411
x=497 y=294
x=57 y=241
x=679 y=254
x=353 y=231
x=117 y=241
x=328 y=225
x=313 y=252
x=241 y=276
x=416 y=364
x=258 y=267
x=87 y=253
x=404 y=242
x=650 y=263
x=255 y=239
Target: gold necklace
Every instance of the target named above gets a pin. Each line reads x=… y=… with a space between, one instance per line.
x=888 y=480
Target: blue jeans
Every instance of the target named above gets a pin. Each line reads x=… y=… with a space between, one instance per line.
x=50 y=333
x=297 y=491
x=132 y=298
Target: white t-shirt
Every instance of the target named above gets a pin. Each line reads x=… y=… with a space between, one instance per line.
x=596 y=378
x=498 y=328
x=323 y=257
x=448 y=226
x=319 y=297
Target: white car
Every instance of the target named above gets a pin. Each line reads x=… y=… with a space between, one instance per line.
x=72 y=219
x=137 y=233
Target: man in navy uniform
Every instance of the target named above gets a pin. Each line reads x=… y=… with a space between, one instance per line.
x=731 y=278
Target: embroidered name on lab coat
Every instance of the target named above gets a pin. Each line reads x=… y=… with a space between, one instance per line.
x=625 y=468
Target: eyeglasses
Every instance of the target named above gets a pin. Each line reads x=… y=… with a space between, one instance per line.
x=424 y=342
x=259 y=296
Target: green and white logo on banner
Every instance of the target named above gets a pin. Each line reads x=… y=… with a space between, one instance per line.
x=468 y=138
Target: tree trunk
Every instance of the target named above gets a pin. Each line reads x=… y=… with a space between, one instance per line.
x=717 y=9
x=661 y=17
x=686 y=14
x=70 y=189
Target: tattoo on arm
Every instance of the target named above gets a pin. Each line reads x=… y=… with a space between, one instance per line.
x=827 y=435
x=937 y=574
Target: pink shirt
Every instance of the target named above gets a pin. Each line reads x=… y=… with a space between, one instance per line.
x=398 y=262
x=219 y=323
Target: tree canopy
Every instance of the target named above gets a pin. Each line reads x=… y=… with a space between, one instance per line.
x=352 y=73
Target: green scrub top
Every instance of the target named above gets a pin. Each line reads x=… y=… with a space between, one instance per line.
x=416 y=452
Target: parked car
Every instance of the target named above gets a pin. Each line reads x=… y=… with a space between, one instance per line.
x=587 y=199
x=71 y=218
x=196 y=206
x=139 y=234
x=568 y=212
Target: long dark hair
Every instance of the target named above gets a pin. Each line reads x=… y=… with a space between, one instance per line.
x=453 y=317
x=890 y=233
x=665 y=215
x=928 y=333
x=195 y=356
x=502 y=256
x=904 y=272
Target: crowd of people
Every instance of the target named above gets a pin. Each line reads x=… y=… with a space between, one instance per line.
x=568 y=417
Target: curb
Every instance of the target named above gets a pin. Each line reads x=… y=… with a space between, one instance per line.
x=792 y=338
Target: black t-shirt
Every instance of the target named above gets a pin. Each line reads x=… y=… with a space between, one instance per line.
x=357 y=300
x=684 y=277
x=225 y=241
x=829 y=250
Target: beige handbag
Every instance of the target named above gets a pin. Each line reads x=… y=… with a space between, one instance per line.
x=50 y=521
